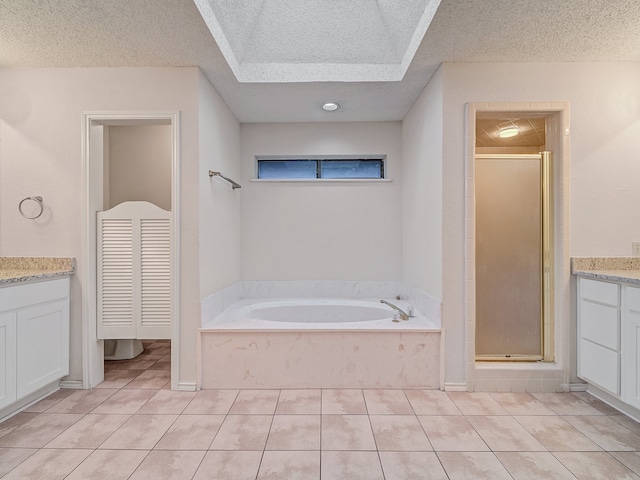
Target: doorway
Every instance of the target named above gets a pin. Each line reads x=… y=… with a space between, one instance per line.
x=99 y=195
x=513 y=256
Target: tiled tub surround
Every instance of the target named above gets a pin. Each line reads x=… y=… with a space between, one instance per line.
x=28 y=269
x=237 y=351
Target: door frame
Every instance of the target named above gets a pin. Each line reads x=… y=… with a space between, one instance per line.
x=557 y=141
x=93 y=124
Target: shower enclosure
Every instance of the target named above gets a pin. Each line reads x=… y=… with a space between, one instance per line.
x=513 y=257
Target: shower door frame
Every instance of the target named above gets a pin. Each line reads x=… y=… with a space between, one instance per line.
x=546 y=260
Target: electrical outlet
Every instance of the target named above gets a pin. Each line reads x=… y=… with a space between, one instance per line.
x=635 y=249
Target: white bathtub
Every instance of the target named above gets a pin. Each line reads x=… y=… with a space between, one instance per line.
x=317 y=314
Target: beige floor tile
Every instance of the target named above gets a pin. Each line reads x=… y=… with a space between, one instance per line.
x=305 y=402
x=476 y=403
x=629 y=459
x=628 y=422
x=411 y=466
x=229 y=466
x=191 y=432
x=14 y=422
x=596 y=403
x=140 y=432
x=108 y=465
x=503 y=434
x=566 y=404
x=556 y=434
x=350 y=465
x=116 y=378
x=534 y=466
x=452 y=434
x=39 y=431
x=49 y=401
x=594 y=466
x=125 y=402
x=167 y=402
x=387 y=402
x=521 y=404
x=211 y=402
x=168 y=465
x=151 y=379
x=11 y=457
x=243 y=432
x=473 y=466
x=431 y=402
x=606 y=432
x=88 y=432
x=343 y=401
x=48 y=464
x=255 y=402
x=294 y=432
x=347 y=432
x=399 y=433
x=290 y=465
x=82 y=401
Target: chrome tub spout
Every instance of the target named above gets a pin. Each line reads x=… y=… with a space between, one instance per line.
x=403 y=314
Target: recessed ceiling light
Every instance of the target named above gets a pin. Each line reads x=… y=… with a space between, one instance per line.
x=508 y=132
x=330 y=106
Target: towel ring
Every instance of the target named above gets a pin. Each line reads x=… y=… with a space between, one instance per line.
x=38 y=200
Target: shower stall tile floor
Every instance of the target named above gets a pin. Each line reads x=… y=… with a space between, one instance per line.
x=134 y=427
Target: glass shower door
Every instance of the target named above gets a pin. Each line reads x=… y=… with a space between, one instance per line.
x=513 y=268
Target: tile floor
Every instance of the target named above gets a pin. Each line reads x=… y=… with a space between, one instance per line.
x=134 y=427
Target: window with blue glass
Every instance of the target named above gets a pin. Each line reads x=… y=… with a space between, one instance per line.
x=327 y=168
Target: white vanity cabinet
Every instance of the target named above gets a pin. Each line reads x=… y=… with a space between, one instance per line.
x=599 y=327
x=34 y=337
x=631 y=335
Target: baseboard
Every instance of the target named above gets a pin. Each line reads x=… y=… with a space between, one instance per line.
x=187 y=386
x=72 y=384
x=455 y=387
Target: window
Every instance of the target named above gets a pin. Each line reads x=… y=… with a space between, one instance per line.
x=327 y=168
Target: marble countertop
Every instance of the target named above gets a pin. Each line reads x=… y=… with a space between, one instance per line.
x=616 y=269
x=15 y=270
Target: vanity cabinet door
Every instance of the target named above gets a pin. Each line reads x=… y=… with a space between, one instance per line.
x=7 y=359
x=43 y=345
x=599 y=358
x=631 y=363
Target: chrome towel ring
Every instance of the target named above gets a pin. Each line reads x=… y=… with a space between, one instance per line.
x=37 y=200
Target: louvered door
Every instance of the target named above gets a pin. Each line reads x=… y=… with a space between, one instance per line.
x=134 y=272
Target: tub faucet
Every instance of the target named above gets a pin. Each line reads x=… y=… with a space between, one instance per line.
x=403 y=315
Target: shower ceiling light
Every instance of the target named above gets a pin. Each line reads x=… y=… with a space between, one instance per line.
x=508 y=132
x=330 y=106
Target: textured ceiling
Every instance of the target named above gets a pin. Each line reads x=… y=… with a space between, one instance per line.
x=311 y=41
x=85 y=33
x=531 y=128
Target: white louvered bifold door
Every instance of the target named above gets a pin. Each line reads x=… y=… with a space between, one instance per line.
x=134 y=272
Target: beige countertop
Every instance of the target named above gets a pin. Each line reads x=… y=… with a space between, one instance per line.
x=616 y=269
x=16 y=270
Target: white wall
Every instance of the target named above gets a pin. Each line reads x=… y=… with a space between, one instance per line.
x=41 y=154
x=422 y=190
x=139 y=163
x=219 y=204
x=605 y=140
x=322 y=231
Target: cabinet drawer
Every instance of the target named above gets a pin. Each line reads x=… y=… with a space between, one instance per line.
x=14 y=297
x=600 y=324
x=600 y=366
x=597 y=291
x=633 y=298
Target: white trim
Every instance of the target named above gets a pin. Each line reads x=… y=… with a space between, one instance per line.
x=558 y=143
x=577 y=387
x=92 y=349
x=72 y=384
x=186 y=387
x=455 y=387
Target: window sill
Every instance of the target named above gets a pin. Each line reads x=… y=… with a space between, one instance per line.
x=320 y=180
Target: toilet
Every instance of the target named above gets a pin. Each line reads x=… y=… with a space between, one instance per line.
x=122 y=349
